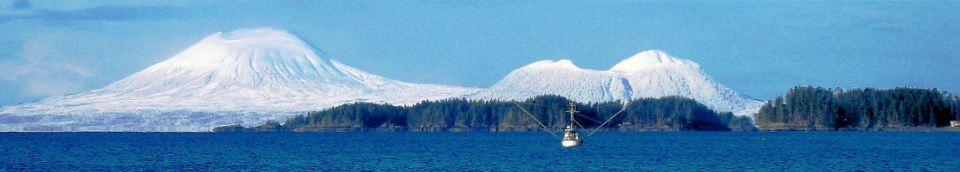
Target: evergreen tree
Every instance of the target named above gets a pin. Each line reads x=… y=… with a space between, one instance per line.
x=815 y=108
x=667 y=113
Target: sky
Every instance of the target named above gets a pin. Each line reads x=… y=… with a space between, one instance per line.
x=761 y=49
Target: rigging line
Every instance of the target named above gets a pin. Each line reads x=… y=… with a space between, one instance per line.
x=611 y=118
x=551 y=107
x=538 y=121
x=598 y=105
x=589 y=118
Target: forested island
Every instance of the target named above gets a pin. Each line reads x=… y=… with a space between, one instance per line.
x=814 y=108
x=803 y=108
x=460 y=115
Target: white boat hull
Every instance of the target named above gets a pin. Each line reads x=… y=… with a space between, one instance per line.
x=570 y=143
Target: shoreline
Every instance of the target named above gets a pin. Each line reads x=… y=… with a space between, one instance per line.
x=650 y=131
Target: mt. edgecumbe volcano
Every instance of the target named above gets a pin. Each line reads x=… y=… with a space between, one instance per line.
x=246 y=76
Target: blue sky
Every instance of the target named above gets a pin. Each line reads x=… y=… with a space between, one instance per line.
x=761 y=49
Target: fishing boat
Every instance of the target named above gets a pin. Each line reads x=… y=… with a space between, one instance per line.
x=571 y=135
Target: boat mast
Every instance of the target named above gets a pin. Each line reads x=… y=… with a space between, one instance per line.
x=573 y=110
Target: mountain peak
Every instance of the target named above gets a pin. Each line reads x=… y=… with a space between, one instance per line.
x=255 y=38
x=648 y=74
x=255 y=33
x=650 y=59
x=263 y=49
x=562 y=63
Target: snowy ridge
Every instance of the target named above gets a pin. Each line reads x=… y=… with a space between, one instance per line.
x=647 y=74
x=245 y=76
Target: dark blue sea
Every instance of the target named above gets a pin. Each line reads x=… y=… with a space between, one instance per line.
x=668 y=151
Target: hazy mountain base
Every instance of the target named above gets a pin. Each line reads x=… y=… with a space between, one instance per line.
x=155 y=121
x=459 y=115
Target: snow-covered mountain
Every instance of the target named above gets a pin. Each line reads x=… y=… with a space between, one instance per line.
x=647 y=74
x=245 y=76
x=249 y=76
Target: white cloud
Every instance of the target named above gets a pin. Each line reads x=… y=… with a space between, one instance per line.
x=51 y=87
x=46 y=70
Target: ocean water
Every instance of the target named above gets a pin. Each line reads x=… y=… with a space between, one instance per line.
x=669 y=151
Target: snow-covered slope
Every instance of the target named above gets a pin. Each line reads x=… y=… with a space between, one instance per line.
x=249 y=76
x=647 y=74
x=245 y=76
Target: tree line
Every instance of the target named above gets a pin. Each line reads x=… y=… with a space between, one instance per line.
x=816 y=108
x=646 y=114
